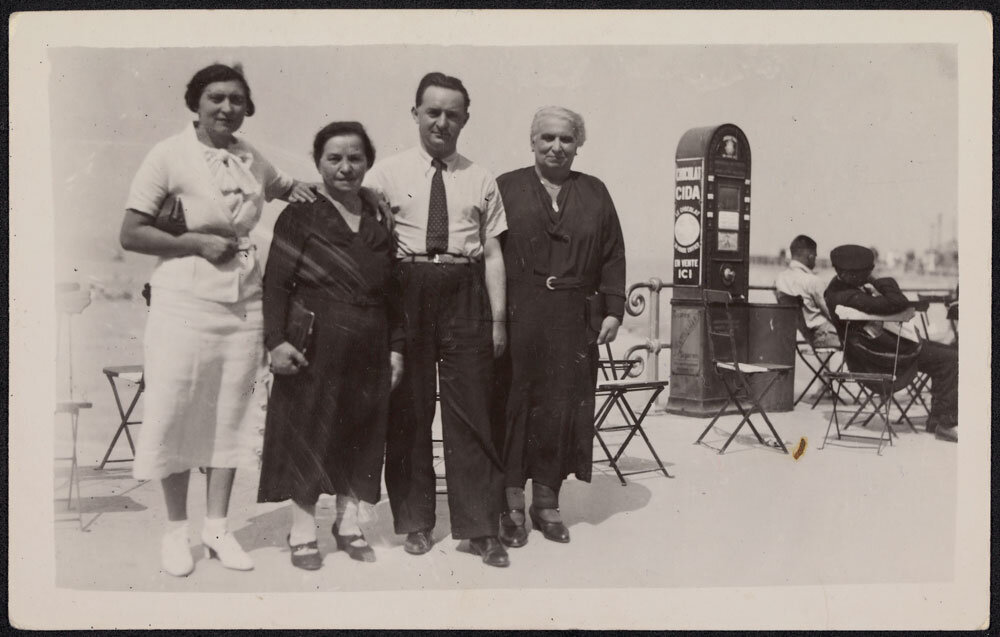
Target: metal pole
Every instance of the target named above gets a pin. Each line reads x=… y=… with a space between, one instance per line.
x=653 y=343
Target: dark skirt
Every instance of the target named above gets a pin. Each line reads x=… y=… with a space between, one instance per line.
x=326 y=425
x=550 y=408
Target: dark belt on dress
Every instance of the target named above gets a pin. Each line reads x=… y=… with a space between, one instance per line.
x=437 y=258
x=559 y=282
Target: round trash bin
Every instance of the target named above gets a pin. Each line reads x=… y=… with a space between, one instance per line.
x=771 y=339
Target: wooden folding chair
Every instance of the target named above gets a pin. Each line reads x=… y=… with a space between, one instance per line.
x=437 y=451
x=614 y=389
x=921 y=382
x=734 y=372
x=881 y=385
x=70 y=300
x=821 y=357
x=129 y=374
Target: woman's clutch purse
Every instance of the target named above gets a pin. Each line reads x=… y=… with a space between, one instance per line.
x=170 y=217
x=299 y=326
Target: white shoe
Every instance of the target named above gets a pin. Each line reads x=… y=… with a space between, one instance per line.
x=227 y=550
x=175 y=555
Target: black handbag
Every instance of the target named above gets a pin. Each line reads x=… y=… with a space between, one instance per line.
x=170 y=217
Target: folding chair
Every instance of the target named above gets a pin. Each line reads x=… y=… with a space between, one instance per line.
x=70 y=300
x=437 y=446
x=950 y=302
x=72 y=409
x=130 y=374
x=733 y=373
x=823 y=356
x=921 y=381
x=614 y=389
x=881 y=385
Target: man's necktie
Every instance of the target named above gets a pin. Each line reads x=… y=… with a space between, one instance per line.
x=437 y=212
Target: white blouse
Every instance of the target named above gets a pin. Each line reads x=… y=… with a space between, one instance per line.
x=222 y=191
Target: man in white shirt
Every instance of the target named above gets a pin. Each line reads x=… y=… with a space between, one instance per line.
x=798 y=279
x=448 y=219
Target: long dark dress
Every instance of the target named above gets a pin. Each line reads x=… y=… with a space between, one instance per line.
x=550 y=408
x=326 y=425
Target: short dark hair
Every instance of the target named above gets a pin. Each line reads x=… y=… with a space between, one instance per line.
x=215 y=73
x=802 y=243
x=335 y=129
x=444 y=81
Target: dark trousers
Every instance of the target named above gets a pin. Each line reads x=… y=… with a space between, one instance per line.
x=448 y=327
x=940 y=362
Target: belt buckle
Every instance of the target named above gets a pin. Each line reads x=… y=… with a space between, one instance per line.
x=549 y=281
x=436 y=258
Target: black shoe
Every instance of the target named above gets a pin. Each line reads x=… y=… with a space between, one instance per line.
x=947 y=433
x=418 y=542
x=346 y=543
x=512 y=534
x=493 y=552
x=306 y=555
x=555 y=531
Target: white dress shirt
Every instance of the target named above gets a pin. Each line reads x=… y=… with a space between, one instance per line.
x=475 y=211
x=798 y=280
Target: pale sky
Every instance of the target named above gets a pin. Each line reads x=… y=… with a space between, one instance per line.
x=851 y=143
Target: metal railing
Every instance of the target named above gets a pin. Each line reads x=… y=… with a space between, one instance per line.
x=635 y=305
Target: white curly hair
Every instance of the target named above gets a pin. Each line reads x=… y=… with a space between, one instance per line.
x=574 y=118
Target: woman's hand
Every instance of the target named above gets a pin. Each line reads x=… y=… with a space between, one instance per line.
x=301 y=192
x=139 y=234
x=396 y=363
x=375 y=198
x=609 y=330
x=212 y=247
x=285 y=359
x=499 y=338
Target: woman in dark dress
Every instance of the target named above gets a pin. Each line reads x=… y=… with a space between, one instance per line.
x=326 y=418
x=565 y=263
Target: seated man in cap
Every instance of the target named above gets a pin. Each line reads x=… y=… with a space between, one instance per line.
x=798 y=279
x=855 y=287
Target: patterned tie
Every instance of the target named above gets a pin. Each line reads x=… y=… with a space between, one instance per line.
x=437 y=212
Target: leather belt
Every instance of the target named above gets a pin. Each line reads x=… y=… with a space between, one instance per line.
x=437 y=258
x=560 y=282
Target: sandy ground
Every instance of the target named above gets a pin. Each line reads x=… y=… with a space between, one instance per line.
x=750 y=517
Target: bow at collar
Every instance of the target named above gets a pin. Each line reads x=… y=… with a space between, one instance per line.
x=232 y=170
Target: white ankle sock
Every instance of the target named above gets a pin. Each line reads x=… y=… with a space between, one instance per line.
x=215 y=527
x=177 y=527
x=347 y=516
x=303 y=535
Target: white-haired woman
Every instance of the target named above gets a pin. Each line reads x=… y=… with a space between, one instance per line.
x=565 y=263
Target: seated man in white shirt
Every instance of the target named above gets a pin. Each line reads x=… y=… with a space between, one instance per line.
x=798 y=279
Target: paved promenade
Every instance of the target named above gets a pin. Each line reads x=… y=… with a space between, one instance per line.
x=754 y=516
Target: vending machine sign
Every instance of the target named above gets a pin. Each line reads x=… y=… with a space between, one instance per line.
x=687 y=221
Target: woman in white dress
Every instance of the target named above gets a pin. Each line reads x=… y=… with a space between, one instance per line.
x=204 y=337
